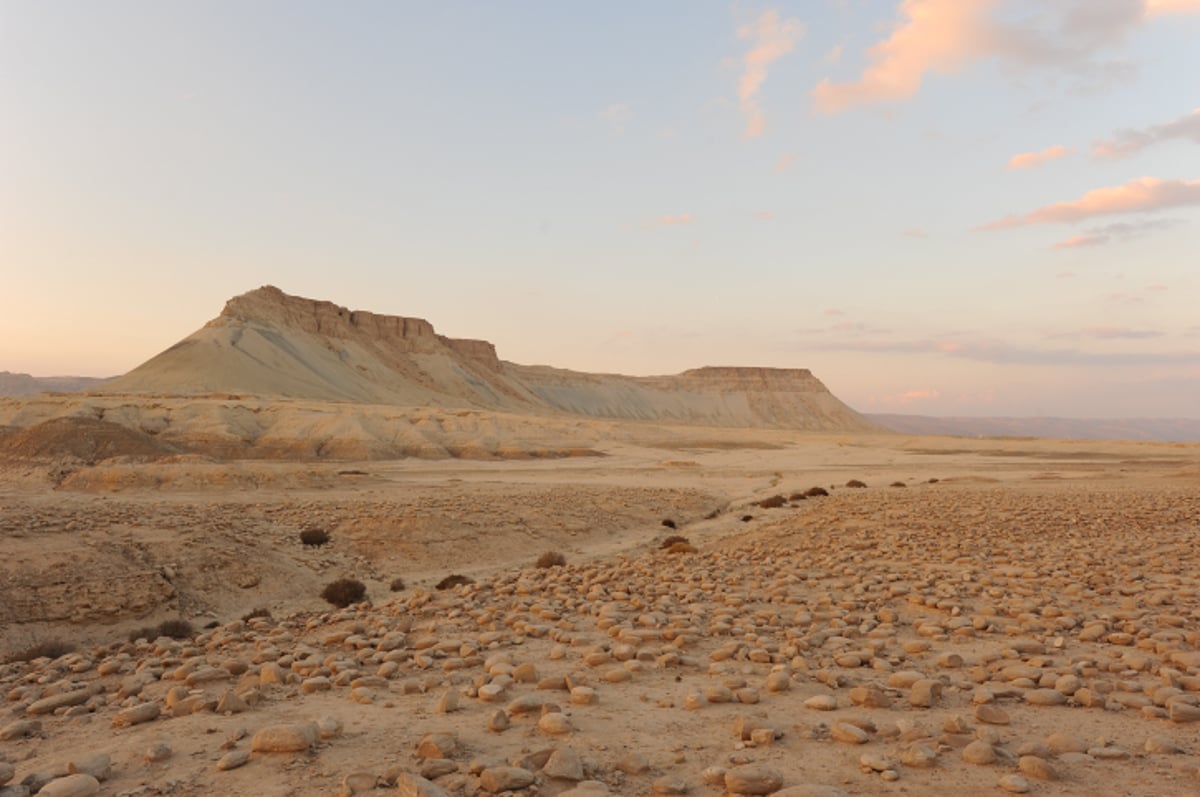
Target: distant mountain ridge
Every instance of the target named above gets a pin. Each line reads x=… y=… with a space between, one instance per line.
x=269 y=343
x=14 y=384
x=1171 y=430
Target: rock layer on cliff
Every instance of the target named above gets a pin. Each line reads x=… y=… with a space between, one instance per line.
x=268 y=343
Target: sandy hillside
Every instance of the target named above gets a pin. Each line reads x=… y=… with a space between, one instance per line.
x=1020 y=616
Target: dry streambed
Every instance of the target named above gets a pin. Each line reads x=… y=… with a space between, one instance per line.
x=931 y=640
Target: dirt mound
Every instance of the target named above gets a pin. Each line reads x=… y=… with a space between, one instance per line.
x=88 y=439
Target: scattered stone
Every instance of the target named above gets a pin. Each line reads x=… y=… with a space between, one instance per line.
x=1014 y=784
x=290 y=738
x=233 y=759
x=497 y=779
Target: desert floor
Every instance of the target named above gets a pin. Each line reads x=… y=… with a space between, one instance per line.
x=1018 y=616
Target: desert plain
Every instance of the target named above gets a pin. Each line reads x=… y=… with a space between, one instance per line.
x=941 y=616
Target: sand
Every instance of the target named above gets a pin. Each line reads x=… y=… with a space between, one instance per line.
x=1019 y=614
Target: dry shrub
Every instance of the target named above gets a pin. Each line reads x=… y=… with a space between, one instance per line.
x=669 y=523
x=932 y=481
x=47 y=649
x=713 y=515
x=898 y=484
x=813 y=492
x=454 y=580
x=314 y=537
x=551 y=559
x=681 y=547
x=856 y=483
x=175 y=629
x=797 y=497
x=774 y=502
x=747 y=518
x=344 y=591
x=397 y=585
x=261 y=611
x=674 y=538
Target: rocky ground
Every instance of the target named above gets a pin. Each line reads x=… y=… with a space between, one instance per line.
x=1037 y=633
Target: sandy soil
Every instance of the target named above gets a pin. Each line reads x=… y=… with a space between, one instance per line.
x=1020 y=615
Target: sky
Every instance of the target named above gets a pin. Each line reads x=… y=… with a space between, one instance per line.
x=940 y=207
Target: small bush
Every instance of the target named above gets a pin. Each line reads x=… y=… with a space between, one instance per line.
x=747 y=518
x=397 y=585
x=932 y=481
x=898 y=484
x=813 y=492
x=175 y=629
x=454 y=580
x=774 y=502
x=681 y=547
x=344 y=591
x=314 y=537
x=713 y=515
x=48 y=649
x=856 y=483
x=551 y=559
x=261 y=611
x=797 y=497
x=669 y=523
x=674 y=538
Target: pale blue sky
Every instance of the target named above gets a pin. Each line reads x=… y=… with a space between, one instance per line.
x=630 y=187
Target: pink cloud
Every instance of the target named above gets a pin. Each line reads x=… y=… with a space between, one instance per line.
x=1120 y=333
x=944 y=36
x=833 y=311
x=784 y=163
x=1157 y=7
x=772 y=39
x=1127 y=142
x=668 y=221
x=1081 y=241
x=764 y=215
x=915 y=232
x=1137 y=196
x=935 y=35
x=1026 y=160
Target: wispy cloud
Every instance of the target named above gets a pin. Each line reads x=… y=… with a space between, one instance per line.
x=1120 y=333
x=671 y=221
x=1003 y=353
x=771 y=39
x=1119 y=231
x=915 y=232
x=1137 y=196
x=1127 y=142
x=934 y=35
x=764 y=215
x=784 y=164
x=1026 y=160
x=945 y=36
x=616 y=116
x=1155 y=7
x=1081 y=241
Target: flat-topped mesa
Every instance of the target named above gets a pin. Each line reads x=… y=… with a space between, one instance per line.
x=768 y=378
x=270 y=305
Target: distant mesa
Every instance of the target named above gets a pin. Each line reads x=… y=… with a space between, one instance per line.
x=12 y=384
x=268 y=343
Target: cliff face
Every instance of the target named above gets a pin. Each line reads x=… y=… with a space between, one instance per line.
x=268 y=343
